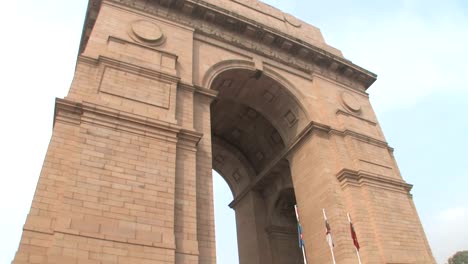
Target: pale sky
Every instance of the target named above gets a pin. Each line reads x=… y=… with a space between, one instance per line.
x=419 y=49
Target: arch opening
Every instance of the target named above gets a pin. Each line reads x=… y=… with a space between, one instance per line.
x=253 y=120
x=225 y=222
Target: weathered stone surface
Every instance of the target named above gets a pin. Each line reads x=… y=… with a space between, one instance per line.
x=166 y=91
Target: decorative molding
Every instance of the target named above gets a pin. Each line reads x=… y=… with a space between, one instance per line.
x=360 y=178
x=360 y=136
x=185 y=86
x=115 y=239
x=97 y=237
x=350 y=103
x=188 y=139
x=233 y=28
x=341 y=112
x=212 y=94
x=340 y=84
x=146 y=32
x=129 y=67
x=78 y=113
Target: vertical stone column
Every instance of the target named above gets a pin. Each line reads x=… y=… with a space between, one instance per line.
x=204 y=180
x=251 y=221
x=327 y=172
x=315 y=185
x=185 y=206
x=284 y=246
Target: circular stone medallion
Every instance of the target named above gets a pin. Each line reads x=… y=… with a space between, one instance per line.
x=145 y=31
x=350 y=102
x=292 y=20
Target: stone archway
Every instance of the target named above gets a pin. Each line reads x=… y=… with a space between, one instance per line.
x=165 y=91
x=252 y=119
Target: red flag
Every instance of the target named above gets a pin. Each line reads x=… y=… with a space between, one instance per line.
x=353 y=235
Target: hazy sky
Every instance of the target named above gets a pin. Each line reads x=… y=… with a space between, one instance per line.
x=418 y=48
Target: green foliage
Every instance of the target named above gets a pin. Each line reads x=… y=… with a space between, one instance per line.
x=461 y=257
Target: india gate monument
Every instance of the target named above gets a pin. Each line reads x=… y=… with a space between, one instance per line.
x=165 y=92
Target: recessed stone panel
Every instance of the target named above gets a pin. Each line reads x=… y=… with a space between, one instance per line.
x=268 y=96
x=291 y=118
x=136 y=87
x=236 y=176
x=276 y=137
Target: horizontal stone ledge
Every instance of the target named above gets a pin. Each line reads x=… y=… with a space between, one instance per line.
x=122 y=65
x=85 y=112
x=360 y=178
x=122 y=241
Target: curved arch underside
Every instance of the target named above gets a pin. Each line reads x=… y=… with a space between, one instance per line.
x=253 y=120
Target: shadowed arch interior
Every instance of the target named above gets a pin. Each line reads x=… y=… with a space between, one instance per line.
x=253 y=120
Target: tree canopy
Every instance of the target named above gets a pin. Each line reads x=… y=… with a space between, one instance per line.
x=461 y=257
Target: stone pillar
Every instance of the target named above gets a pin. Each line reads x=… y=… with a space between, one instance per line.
x=106 y=192
x=186 y=199
x=251 y=222
x=387 y=226
x=204 y=180
x=315 y=185
x=284 y=245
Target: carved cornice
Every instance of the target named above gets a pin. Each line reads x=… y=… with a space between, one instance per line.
x=237 y=30
x=198 y=90
x=92 y=12
x=212 y=94
x=360 y=178
x=361 y=137
x=341 y=112
x=188 y=139
x=77 y=113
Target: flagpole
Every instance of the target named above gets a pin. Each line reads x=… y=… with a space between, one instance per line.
x=302 y=244
x=304 y=255
x=333 y=255
x=330 y=242
x=358 y=256
x=357 y=251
